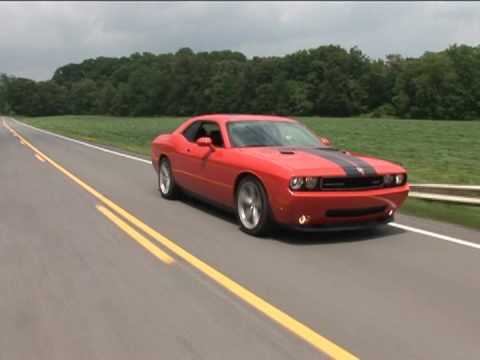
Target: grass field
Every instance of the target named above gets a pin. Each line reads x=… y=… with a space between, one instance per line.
x=465 y=215
x=432 y=151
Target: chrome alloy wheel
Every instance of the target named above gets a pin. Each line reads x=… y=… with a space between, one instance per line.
x=250 y=205
x=164 y=177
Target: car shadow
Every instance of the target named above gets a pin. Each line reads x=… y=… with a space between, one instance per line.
x=297 y=237
x=208 y=208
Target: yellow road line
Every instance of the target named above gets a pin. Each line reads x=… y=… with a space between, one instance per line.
x=288 y=322
x=39 y=158
x=142 y=240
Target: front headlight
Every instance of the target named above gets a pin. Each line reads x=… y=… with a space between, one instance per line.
x=388 y=180
x=399 y=179
x=394 y=179
x=311 y=182
x=296 y=183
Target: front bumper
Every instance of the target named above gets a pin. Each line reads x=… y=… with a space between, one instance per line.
x=347 y=226
x=338 y=209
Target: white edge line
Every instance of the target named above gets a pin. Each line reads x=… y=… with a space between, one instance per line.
x=399 y=226
x=86 y=144
x=436 y=235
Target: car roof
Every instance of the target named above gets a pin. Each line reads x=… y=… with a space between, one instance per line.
x=224 y=118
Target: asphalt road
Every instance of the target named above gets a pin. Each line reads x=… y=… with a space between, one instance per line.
x=74 y=285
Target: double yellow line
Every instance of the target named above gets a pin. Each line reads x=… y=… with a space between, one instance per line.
x=302 y=331
x=147 y=244
x=39 y=158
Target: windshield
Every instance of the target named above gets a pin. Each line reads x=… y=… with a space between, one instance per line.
x=270 y=133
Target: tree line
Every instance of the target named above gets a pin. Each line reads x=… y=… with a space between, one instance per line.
x=325 y=81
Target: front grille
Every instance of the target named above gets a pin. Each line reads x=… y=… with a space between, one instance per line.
x=352 y=183
x=355 y=212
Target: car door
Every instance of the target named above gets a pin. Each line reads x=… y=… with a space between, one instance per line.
x=203 y=169
x=186 y=167
x=214 y=168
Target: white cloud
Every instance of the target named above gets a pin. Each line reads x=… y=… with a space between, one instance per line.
x=36 y=38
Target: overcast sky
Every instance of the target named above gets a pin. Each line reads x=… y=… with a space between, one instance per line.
x=36 y=38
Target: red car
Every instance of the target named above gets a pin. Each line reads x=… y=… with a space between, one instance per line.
x=273 y=170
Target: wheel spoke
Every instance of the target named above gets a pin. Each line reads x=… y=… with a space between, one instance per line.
x=249 y=214
x=249 y=205
x=255 y=215
x=165 y=179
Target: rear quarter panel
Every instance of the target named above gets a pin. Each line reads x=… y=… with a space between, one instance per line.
x=162 y=144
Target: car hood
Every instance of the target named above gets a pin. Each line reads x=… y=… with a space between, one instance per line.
x=322 y=161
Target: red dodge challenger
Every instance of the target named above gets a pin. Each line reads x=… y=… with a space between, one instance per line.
x=273 y=170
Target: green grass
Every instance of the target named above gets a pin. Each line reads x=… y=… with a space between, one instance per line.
x=132 y=134
x=432 y=151
x=465 y=215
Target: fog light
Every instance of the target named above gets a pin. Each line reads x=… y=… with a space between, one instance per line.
x=390 y=212
x=302 y=220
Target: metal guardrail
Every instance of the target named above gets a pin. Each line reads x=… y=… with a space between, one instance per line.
x=446 y=198
x=463 y=194
x=445 y=189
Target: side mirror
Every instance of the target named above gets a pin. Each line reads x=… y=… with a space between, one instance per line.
x=204 y=141
x=325 y=141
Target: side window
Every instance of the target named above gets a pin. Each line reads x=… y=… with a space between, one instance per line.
x=190 y=132
x=212 y=130
x=204 y=129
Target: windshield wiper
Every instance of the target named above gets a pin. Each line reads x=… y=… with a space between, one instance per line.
x=261 y=145
x=327 y=148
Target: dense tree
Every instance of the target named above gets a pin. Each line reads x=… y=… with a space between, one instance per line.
x=4 y=105
x=105 y=96
x=328 y=80
x=52 y=98
x=83 y=97
x=22 y=96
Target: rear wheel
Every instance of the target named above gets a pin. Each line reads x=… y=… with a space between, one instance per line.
x=253 y=209
x=166 y=182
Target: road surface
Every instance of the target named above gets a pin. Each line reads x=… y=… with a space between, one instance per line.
x=95 y=265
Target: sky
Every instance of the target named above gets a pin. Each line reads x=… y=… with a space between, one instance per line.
x=37 y=38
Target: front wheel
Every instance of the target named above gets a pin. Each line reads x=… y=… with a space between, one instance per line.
x=253 y=210
x=166 y=182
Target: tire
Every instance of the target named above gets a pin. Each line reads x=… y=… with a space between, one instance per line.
x=166 y=182
x=252 y=207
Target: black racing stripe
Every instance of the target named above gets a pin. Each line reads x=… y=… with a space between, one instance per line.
x=369 y=170
x=336 y=157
